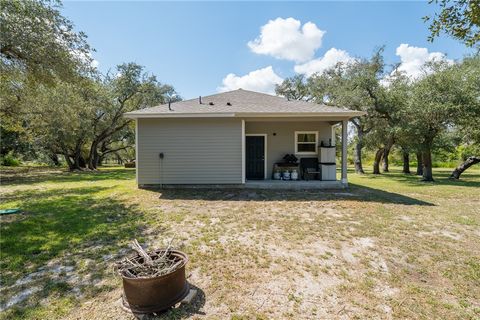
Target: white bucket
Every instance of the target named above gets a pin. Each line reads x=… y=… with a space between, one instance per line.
x=294 y=175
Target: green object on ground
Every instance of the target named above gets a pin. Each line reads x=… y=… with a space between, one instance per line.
x=9 y=211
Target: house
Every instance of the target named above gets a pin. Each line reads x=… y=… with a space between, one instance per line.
x=237 y=138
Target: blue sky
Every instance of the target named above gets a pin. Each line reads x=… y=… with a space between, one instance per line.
x=195 y=45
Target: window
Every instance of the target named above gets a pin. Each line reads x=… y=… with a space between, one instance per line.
x=306 y=142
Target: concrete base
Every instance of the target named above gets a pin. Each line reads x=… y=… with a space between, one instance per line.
x=293 y=185
x=190 y=296
x=190 y=186
x=257 y=184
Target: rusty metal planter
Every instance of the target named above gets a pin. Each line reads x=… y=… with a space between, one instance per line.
x=147 y=295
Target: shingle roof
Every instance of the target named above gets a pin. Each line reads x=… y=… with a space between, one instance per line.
x=241 y=102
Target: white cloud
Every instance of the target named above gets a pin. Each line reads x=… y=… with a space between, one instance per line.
x=413 y=59
x=284 y=39
x=262 y=80
x=85 y=58
x=329 y=59
x=94 y=63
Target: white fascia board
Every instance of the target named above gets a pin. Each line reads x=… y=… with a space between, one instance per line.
x=339 y=115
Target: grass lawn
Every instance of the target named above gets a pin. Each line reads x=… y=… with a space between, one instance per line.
x=389 y=247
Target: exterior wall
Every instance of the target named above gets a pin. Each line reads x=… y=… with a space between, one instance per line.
x=283 y=141
x=196 y=151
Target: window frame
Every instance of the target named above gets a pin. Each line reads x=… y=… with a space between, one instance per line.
x=297 y=143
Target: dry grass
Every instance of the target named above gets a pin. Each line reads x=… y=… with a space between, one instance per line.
x=390 y=247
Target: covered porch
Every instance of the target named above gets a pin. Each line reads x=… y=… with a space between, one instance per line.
x=294 y=153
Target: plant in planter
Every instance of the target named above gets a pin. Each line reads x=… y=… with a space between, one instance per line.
x=153 y=281
x=290 y=159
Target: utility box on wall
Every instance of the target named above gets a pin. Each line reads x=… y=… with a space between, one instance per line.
x=329 y=171
x=327 y=154
x=327 y=163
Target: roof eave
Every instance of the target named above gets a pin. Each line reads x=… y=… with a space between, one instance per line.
x=337 y=114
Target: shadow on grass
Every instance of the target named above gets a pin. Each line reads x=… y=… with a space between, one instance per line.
x=355 y=193
x=183 y=311
x=33 y=195
x=376 y=195
x=42 y=174
x=68 y=238
x=369 y=188
x=440 y=175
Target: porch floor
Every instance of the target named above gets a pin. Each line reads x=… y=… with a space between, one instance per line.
x=295 y=185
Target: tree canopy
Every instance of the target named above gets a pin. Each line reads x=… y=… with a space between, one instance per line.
x=39 y=42
x=458 y=18
x=54 y=101
x=37 y=46
x=416 y=115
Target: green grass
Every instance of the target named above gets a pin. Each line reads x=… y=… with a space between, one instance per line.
x=64 y=216
x=252 y=254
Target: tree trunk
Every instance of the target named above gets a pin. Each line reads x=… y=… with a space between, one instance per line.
x=464 y=166
x=386 y=153
x=97 y=160
x=69 y=161
x=376 y=162
x=92 y=155
x=54 y=157
x=427 y=164
x=79 y=162
x=82 y=163
x=76 y=161
x=419 y=164
x=358 y=153
x=406 y=162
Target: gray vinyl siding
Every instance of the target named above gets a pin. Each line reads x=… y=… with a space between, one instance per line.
x=283 y=141
x=197 y=151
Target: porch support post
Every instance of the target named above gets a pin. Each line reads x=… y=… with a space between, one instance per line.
x=243 y=151
x=136 y=150
x=344 y=152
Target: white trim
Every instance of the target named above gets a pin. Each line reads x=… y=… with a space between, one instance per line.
x=243 y=151
x=136 y=150
x=296 y=142
x=339 y=114
x=265 y=149
x=332 y=135
x=344 y=150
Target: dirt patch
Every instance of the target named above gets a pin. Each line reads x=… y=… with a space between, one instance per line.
x=376 y=254
x=24 y=287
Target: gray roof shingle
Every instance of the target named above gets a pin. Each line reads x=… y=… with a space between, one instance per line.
x=241 y=102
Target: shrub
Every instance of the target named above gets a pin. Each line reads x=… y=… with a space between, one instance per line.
x=9 y=160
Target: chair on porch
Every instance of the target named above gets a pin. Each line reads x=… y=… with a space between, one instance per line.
x=309 y=167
